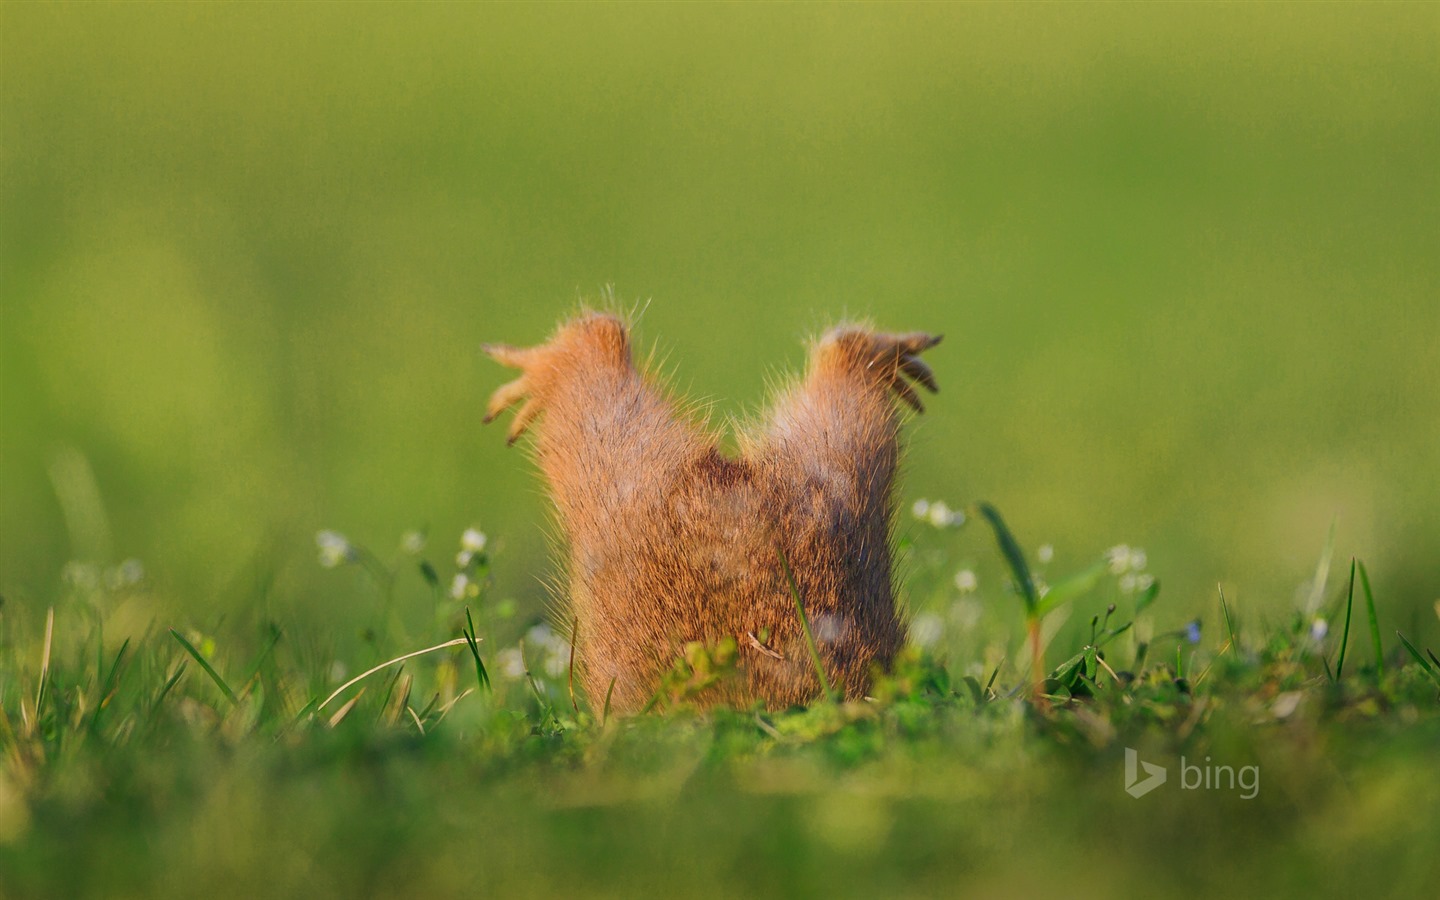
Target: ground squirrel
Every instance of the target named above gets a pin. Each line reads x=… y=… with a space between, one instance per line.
x=671 y=541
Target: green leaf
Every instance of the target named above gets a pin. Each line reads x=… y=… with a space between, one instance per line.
x=1070 y=588
x=977 y=693
x=1229 y=622
x=205 y=664
x=1345 y=635
x=306 y=710
x=482 y=677
x=1424 y=663
x=1010 y=549
x=805 y=624
x=1147 y=597
x=169 y=683
x=109 y=685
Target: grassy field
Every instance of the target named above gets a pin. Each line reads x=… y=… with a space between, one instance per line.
x=1300 y=759
x=1184 y=259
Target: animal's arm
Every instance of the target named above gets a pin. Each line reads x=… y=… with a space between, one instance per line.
x=837 y=428
x=609 y=440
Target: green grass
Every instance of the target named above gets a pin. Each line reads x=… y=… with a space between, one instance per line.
x=242 y=762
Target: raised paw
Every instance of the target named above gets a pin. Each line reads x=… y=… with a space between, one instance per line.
x=581 y=347
x=888 y=359
x=512 y=392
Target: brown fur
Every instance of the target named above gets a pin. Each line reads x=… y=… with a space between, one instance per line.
x=671 y=541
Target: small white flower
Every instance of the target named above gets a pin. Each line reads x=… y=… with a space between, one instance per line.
x=460 y=586
x=921 y=509
x=926 y=630
x=510 y=664
x=940 y=515
x=473 y=540
x=1128 y=583
x=1124 y=558
x=1045 y=554
x=462 y=559
x=1318 y=629
x=82 y=575
x=966 y=581
x=128 y=574
x=334 y=549
x=1119 y=557
x=1144 y=582
x=412 y=542
x=1042 y=587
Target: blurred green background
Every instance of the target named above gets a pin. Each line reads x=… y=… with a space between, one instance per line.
x=1185 y=258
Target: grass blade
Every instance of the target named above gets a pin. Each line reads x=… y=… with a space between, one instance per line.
x=482 y=677
x=1374 y=621
x=306 y=710
x=445 y=710
x=804 y=624
x=395 y=703
x=429 y=707
x=1424 y=663
x=1345 y=635
x=1010 y=549
x=205 y=664
x=45 y=663
x=344 y=710
x=570 y=670
x=390 y=662
x=605 y=714
x=547 y=712
x=169 y=683
x=1229 y=622
x=108 y=686
x=990 y=685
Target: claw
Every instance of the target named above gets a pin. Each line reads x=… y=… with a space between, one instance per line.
x=916 y=368
x=907 y=393
x=522 y=420
x=918 y=341
x=505 y=396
